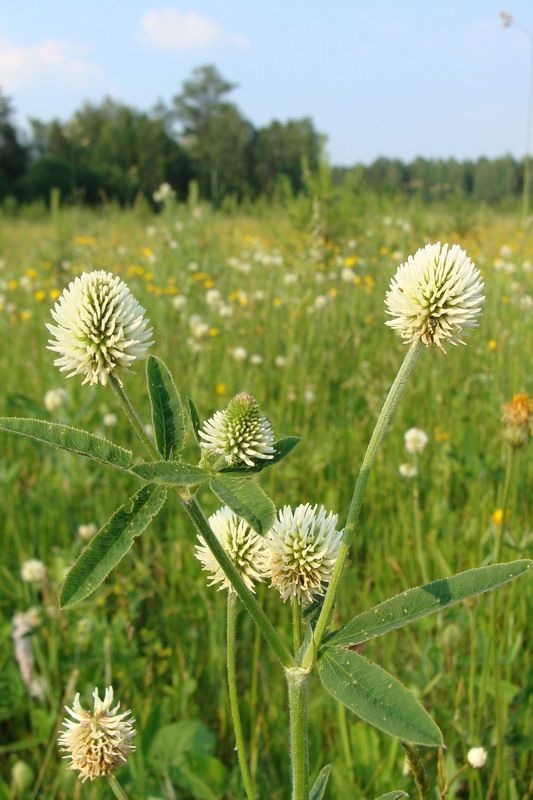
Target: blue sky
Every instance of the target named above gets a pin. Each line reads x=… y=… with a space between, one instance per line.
x=379 y=78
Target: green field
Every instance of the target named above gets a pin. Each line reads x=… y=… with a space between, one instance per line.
x=298 y=321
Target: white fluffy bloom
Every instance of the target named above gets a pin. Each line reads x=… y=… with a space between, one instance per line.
x=33 y=571
x=54 y=399
x=477 y=757
x=243 y=545
x=87 y=531
x=302 y=549
x=415 y=440
x=109 y=419
x=239 y=353
x=100 y=327
x=408 y=470
x=97 y=742
x=435 y=295
x=240 y=433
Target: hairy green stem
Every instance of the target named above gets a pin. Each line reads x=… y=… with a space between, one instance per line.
x=118 y=791
x=233 y=695
x=418 y=527
x=133 y=418
x=357 y=497
x=297 y=684
x=296 y=624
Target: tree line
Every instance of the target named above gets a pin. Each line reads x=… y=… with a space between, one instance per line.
x=114 y=152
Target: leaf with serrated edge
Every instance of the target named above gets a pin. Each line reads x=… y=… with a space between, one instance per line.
x=282 y=449
x=173 y=473
x=393 y=795
x=376 y=696
x=111 y=543
x=74 y=440
x=195 y=419
x=167 y=413
x=319 y=786
x=247 y=500
x=423 y=600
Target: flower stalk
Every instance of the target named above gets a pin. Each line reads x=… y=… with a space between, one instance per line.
x=297 y=680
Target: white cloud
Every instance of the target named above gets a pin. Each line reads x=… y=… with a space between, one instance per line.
x=51 y=60
x=172 y=29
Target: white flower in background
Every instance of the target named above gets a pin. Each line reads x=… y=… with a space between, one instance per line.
x=212 y=298
x=100 y=327
x=109 y=420
x=280 y=361
x=240 y=433
x=435 y=295
x=256 y=359
x=179 y=302
x=243 y=545
x=408 y=470
x=477 y=757
x=33 y=571
x=87 y=531
x=239 y=353
x=54 y=399
x=97 y=742
x=347 y=275
x=38 y=688
x=302 y=549
x=22 y=645
x=165 y=192
x=415 y=440
x=309 y=396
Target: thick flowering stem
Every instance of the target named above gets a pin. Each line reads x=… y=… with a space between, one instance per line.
x=118 y=791
x=358 y=494
x=297 y=684
x=133 y=418
x=233 y=696
x=248 y=599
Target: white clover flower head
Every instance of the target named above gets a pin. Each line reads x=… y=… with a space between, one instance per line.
x=33 y=571
x=100 y=327
x=415 y=440
x=435 y=295
x=54 y=399
x=87 y=531
x=477 y=757
x=109 y=419
x=243 y=545
x=240 y=433
x=408 y=470
x=302 y=549
x=97 y=742
x=239 y=353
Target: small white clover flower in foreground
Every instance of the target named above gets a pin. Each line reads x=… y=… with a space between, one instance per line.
x=415 y=440
x=240 y=433
x=97 y=742
x=302 y=549
x=243 y=545
x=435 y=295
x=477 y=757
x=33 y=571
x=100 y=327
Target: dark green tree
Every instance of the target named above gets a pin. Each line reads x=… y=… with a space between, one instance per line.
x=13 y=154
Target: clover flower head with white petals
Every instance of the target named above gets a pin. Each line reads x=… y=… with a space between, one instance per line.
x=243 y=545
x=435 y=296
x=240 y=433
x=97 y=742
x=100 y=327
x=477 y=757
x=302 y=549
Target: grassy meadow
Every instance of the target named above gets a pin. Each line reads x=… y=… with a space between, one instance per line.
x=287 y=304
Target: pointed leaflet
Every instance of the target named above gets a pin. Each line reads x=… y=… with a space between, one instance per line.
x=282 y=449
x=111 y=544
x=319 y=786
x=173 y=473
x=424 y=600
x=167 y=413
x=376 y=696
x=71 y=439
x=247 y=500
x=195 y=419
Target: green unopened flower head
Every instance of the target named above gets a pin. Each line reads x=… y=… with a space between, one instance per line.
x=243 y=545
x=435 y=296
x=100 y=327
x=97 y=742
x=240 y=433
x=302 y=549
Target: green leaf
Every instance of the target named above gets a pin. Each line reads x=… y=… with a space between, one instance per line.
x=424 y=600
x=173 y=473
x=167 y=413
x=195 y=419
x=282 y=447
x=247 y=500
x=376 y=696
x=319 y=786
x=111 y=544
x=176 y=738
x=71 y=439
x=393 y=795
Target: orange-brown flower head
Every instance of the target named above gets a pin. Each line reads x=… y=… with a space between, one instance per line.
x=517 y=421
